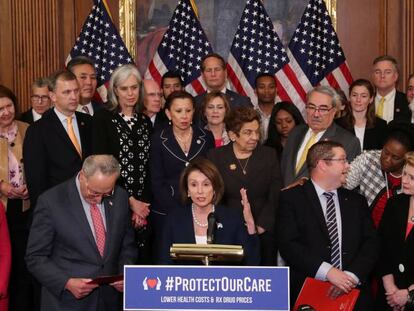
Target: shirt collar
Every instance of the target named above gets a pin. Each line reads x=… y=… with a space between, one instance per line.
x=388 y=96
x=63 y=117
x=320 y=191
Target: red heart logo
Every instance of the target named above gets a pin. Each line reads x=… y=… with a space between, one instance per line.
x=152 y=283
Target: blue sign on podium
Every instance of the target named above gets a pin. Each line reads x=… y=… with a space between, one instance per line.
x=206 y=288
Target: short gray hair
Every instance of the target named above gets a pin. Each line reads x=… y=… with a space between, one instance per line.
x=327 y=90
x=118 y=76
x=103 y=163
x=40 y=82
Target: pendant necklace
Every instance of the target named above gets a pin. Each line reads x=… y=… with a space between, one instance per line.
x=245 y=165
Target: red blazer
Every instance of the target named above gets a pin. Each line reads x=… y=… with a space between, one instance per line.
x=5 y=259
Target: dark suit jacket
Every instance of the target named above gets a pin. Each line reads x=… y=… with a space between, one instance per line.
x=262 y=181
x=295 y=139
x=303 y=237
x=27 y=116
x=401 y=110
x=49 y=155
x=61 y=246
x=235 y=100
x=373 y=137
x=395 y=248
x=161 y=121
x=96 y=106
x=179 y=228
x=167 y=161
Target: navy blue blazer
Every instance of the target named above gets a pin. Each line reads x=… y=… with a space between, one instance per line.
x=179 y=228
x=167 y=161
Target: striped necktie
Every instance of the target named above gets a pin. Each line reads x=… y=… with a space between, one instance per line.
x=332 y=225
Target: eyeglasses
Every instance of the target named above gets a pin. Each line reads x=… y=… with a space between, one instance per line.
x=97 y=194
x=321 y=109
x=345 y=160
x=37 y=98
x=250 y=133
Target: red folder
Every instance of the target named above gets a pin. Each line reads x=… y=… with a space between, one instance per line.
x=315 y=294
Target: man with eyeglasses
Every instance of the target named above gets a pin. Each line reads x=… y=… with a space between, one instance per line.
x=321 y=106
x=40 y=101
x=81 y=230
x=325 y=231
x=390 y=104
x=214 y=73
x=151 y=95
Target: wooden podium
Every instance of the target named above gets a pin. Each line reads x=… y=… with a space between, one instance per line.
x=207 y=253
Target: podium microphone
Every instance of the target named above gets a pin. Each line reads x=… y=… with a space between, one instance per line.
x=211 y=229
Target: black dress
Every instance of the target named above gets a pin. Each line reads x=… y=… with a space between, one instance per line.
x=112 y=135
x=130 y=145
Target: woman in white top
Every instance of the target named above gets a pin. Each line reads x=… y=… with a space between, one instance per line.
x=360 y=116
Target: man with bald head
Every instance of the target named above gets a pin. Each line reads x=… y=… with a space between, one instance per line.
x=151 y=95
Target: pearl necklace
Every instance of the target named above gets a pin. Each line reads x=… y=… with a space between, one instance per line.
x=197 y=222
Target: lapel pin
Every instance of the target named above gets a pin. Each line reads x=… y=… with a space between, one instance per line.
x=186 y=163
x=110 y=203
x=219 y=225
x=198 y=141
x=397 y=110
x=233 y=167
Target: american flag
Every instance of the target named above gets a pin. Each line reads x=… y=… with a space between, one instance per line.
x=315 y=53
x=256 y=49
x=183 y=46
x=100 y=41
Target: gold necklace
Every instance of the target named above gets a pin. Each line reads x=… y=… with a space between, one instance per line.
x=245 y=165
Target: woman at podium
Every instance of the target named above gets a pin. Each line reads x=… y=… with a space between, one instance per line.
x=202 y=187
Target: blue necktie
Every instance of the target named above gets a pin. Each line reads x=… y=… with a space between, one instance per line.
x=332 y=230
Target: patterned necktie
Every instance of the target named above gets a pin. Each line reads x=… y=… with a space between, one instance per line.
x=85 y=109
x=380 y=108
x=98 y=225
x=72 y=136
x=302 y=159
x=332 y=229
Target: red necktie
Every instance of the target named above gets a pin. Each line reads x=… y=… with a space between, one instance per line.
x=99 y=227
